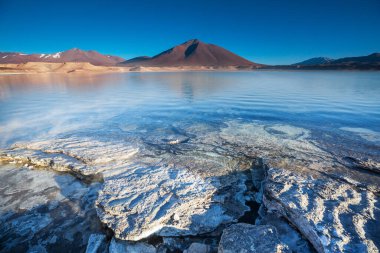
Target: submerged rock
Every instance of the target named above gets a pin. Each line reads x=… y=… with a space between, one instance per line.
x=334 y=216
x=117 y=246
x=175 y=243
x=198 y=248
x=286 y=233
x=207 y=242
x=97 y=244
x=242 y=237
x=41 y=210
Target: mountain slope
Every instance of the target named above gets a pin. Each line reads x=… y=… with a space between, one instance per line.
x=72 y=55
x=369 y=59
x=315 y=61
x=192 y=53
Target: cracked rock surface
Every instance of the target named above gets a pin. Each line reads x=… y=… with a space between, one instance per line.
x=334 y=216
x=145 y=193
x=41 y=211
x=195 y=179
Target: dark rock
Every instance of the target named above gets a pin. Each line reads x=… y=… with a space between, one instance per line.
x=242 y=237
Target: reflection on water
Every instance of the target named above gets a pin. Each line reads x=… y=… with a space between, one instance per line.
x=41 y=105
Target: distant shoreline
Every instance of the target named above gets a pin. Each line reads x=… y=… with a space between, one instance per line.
x=85 y=67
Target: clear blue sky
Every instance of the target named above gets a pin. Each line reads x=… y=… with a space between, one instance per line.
x=264 y=31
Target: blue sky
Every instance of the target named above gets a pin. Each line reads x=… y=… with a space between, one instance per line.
x=270 y=31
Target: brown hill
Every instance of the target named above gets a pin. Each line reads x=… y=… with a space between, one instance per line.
x=56 y=67
x=192 y=53
x=72 y=55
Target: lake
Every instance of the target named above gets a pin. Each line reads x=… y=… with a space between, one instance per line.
x=192 y=120
x=342 y=102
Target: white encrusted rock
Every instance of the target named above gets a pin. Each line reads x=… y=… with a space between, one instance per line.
x=161 y=200
x=145 y=193
x=334 y=216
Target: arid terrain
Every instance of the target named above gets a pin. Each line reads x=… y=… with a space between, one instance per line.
x=85 y=67
x=192 y=55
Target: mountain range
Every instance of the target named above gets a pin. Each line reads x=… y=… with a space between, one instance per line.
x=314 y=61
x=192 y=53
x=371 y=61
x=72 y=55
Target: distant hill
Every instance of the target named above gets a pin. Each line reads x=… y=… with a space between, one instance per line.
x=369 y=59
x=192 y=53
x=315 y=61
x=72 y=55
x=369 y=62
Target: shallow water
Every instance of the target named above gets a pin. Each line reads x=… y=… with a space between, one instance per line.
x=215 y=116
x=36 y=106
x=41 y=209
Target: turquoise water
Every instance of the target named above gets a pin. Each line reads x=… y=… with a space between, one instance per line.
x=338 y=106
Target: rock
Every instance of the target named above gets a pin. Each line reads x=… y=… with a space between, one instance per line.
x=334 y=216
x=258 y=172
x=286 y=233
x=242 y=237
x=162 y=249
x=178 y=141
x=365 y=164
x=37 y=249
x=364 y=133
x=281 y=145
x=175 y=243
x=144 y=193
x=40 y=208
x=96 y=243
x=198 y=186
x=159 y=200
x=198 y=248
x=201 y=243
x=118 y=246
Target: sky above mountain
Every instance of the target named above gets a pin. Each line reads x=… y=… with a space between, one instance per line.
x=269 y=32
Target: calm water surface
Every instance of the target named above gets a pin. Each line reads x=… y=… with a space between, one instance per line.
x=344 y=104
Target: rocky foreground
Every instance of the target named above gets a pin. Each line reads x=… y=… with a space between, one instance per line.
x=195 y=188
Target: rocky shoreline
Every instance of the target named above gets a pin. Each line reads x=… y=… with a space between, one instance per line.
x=204 y=239
x=168 y=195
